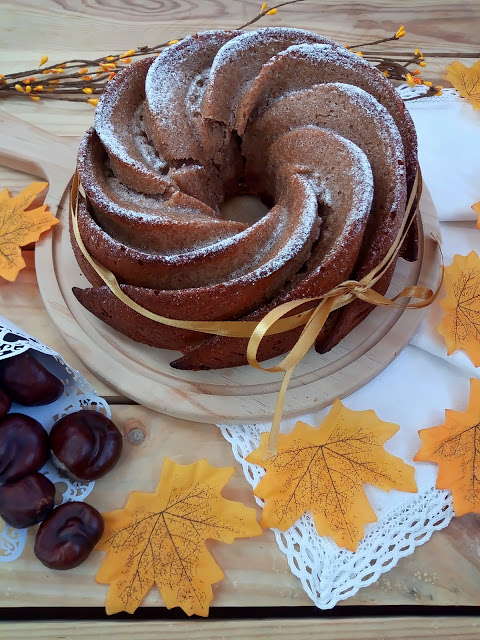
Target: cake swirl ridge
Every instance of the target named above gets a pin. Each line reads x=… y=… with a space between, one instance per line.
x=309 y=128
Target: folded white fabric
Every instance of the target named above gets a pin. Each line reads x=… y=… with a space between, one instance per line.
x=413 y=391
x=458 y=238
x=448 y=147
x=449 y=139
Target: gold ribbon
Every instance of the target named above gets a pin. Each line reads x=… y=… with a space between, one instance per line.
x=275 y=321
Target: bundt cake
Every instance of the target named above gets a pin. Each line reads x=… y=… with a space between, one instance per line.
x=312 y=130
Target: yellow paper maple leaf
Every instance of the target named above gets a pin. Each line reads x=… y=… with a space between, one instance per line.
x=323 y=470
x=466 y=80
x=460 y=326
x=19 y=227
x=159 y=538
x=476 y=208
x=455 y=447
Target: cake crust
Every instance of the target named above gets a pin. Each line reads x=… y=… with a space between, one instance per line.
x=314 y=131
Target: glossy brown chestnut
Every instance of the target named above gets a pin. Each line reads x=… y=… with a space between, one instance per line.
x=23 y=446
x=67 y=536
x=5 y=403
x=85 y=445
x=27 y=382
x=27 y=501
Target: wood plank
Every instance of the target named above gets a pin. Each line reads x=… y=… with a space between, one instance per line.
x=256 y=572
x=119 y=25
x=390 y=628
x=78 y=29
x=445 y=571
x=14 y=180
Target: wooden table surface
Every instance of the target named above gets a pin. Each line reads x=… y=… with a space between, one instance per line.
x=443 y=573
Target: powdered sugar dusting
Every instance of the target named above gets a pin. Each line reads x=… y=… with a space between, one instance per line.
x=143 y=144
x=359 y=173
x=119 y=121
x=387 y=130
x=174 y=89
x=341 y=58
x=159 y=119
x=251 y=40
x=113 y=141
x=179 y=63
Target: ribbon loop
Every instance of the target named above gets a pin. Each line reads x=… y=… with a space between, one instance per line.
x=278 y=320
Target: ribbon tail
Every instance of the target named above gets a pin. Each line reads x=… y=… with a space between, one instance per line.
x=305 y=341
x=272 y=444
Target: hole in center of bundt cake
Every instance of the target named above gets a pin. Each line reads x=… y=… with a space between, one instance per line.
x=245 y=208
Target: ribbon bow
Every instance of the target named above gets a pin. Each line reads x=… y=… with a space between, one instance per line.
x=277 y=320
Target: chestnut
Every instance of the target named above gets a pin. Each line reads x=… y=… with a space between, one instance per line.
x=5 y=403
x=68 y=535
x=27 y=501
x=27 y=382
x=23 y=446
x=85 y=445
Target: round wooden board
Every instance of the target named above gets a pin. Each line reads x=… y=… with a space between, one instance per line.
x=241 y=394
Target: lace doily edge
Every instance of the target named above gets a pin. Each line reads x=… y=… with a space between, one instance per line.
x=403 y=548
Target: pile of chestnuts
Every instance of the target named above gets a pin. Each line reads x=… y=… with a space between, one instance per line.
x=84 y=445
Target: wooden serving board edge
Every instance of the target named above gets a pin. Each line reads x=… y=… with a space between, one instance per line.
x=206 y=407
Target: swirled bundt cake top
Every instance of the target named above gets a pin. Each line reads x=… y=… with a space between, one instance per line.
x=287 y=115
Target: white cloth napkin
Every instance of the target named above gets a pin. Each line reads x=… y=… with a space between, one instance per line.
x=413 y=391
x=448 y=148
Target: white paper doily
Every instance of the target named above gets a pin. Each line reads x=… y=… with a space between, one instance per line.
x=327 y=572
x=78 y=394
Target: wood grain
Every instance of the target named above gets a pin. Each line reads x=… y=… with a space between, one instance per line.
x=66 y=29
x=391 y=628
x=256 y=572
x=21 y=302
x=240 y=394
x=445 y=571
x=441 y=24
x=30 y=149
x=99 y=27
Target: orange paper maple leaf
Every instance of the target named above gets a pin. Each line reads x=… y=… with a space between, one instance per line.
x=19 y=227
x=323 y=470
x=460 y=326
x=159 y=538
x=466 y=80
x=476 y=208
x=455 y=447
